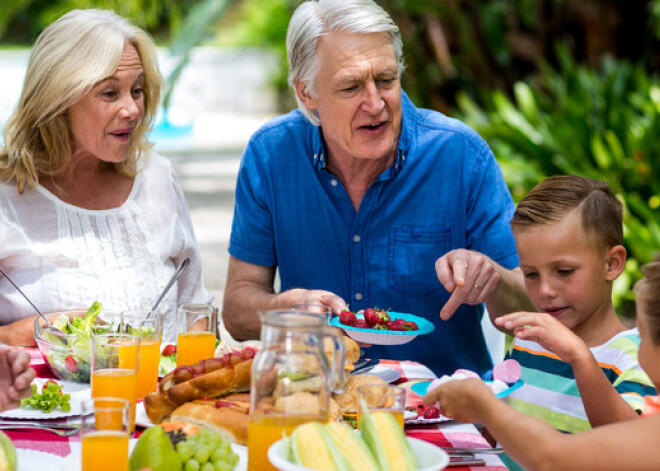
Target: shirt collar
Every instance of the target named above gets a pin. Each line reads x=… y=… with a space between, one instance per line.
x=407 y=110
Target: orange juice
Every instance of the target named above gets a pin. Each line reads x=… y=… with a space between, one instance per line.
x=116 y=382
x=105 y=451
x=148 y=367
x=398 y=415
x=194 y=346
x=266 y=431
x=128 y=356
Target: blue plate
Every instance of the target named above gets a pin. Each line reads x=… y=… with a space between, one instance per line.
x=421 y=387
x=386 y=337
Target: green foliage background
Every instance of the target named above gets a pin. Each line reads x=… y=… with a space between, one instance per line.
x=554 y=86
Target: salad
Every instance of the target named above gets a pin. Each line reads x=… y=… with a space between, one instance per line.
x=72 y=361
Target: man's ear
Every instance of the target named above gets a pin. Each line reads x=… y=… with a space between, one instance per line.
x=616 y=262
x=304 y=96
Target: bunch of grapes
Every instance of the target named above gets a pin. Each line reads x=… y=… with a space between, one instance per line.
x=206 y=451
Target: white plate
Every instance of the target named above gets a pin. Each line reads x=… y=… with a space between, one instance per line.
x=141 y=418
x=388 y=374
x=73 y=459
x=429 y=457
x=78 y=391
x=29 y=460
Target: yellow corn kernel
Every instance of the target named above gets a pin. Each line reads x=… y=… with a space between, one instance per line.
x=352 y=447
x=312 y=448
x=390 y=437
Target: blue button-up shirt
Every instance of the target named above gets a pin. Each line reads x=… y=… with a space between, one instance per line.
x=444 y=191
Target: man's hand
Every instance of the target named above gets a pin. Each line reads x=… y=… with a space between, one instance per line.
x=469 y=276
x=547 y=331
x=318 y=296
x=15 y=377
x=461 y=399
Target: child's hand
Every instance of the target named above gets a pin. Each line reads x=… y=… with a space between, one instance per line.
x=462 y=399
x=547 y=331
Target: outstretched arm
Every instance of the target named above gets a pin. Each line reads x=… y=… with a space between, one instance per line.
x=602 y=402
x=474 y=278
x=537 y=446
x=249 y=289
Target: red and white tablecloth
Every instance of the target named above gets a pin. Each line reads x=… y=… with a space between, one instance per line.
x=443 y=434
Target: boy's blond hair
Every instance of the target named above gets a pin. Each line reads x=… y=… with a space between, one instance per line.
x=601 y=213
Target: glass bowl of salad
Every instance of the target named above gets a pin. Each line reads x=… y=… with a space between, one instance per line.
x=70 y=361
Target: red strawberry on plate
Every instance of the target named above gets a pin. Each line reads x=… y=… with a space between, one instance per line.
x=347 y=317
x=371 y=317
x=360 y=323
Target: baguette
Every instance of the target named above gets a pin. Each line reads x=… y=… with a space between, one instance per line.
x=226 y=380
x=230 y=422
x=158 y=407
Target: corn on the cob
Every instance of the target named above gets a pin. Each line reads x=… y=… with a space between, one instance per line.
x=310 y=448
x=353 y=449
x=384 y=436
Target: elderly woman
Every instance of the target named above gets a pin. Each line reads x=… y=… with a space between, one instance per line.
x=88 y=211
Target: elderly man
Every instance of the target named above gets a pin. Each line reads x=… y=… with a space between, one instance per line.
x=357 y=194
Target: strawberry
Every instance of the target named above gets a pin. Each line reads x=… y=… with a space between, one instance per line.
x=431 y=412
x=169 y=350
x=383 y=316
x=409 y=325
x=371 y=317
x=360 y=323
x=71 y=364
x=347 y=317
x=393 y=325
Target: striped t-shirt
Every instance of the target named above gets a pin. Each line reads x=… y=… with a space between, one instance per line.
x=550 y=392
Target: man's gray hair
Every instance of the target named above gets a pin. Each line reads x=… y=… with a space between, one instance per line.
x=316 y=18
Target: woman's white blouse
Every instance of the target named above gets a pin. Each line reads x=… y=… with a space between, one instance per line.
x=65 y=256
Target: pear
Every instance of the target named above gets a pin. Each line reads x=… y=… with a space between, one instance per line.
x=154 y=450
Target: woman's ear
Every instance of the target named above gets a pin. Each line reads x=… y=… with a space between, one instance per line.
x=616 y=262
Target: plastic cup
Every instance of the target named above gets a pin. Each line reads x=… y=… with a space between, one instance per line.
x=197 y=333
x=377 y=397
x=115 y=368
x=105 y=423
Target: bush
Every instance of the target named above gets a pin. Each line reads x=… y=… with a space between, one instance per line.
x=600 y=123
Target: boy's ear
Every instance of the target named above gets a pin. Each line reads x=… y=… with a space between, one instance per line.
x=616 y=262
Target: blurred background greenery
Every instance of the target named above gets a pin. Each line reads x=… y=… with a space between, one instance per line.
x=554 y=86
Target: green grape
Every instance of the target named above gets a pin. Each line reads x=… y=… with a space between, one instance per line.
x=185 y=450
x=202 y=454
x=223 y=466
x=219 y=454
x=208 y=467
x=192 y=465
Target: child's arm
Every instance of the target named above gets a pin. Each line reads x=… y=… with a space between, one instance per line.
x=538 y=446
x=602 y=402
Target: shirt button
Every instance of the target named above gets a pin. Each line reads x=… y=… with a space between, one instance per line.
x=358 y=296
x=356 y=238
x=333 y=182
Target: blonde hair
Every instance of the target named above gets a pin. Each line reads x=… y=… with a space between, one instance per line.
x=70 y=56
x=647 y=292
x=601 y=213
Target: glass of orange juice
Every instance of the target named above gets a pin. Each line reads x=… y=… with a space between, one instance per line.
x=147 y=326
x=105 y=425
x=115 y=368
x=379 y=397
x=197 y=333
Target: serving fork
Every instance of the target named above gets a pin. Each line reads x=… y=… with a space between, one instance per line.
x=63 y=430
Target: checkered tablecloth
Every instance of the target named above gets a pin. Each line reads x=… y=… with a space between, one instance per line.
x=444 y=434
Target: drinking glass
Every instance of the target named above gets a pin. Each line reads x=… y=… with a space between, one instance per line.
x=378 y=397
x=197 y=333
x=105 y=423
x=147 y=326
x=115 y=368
